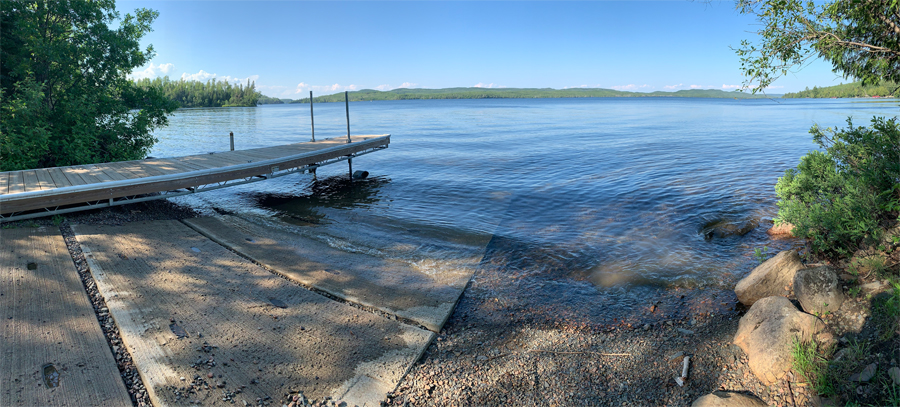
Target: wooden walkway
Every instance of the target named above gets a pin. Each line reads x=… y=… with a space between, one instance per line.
x=46 y=191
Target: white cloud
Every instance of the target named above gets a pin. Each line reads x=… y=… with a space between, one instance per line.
x=631 y=87
x=204 y=76
x=387 y=87
x=678 y=86
x=697 y=86
x=487 y=85
x=303 y=87
x=152 y=71
x=731 y=86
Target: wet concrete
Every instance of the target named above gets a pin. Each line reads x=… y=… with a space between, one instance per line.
x=388 y=285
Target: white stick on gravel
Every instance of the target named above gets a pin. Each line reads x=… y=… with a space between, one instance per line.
x=684 y=371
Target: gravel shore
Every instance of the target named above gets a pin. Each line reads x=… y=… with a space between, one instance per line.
x=483 y=356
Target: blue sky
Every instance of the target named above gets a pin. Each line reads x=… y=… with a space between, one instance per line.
x=292 y=47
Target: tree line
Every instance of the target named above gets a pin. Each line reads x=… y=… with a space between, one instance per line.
x=366 y=95
x=847 y=90
x=212 y=93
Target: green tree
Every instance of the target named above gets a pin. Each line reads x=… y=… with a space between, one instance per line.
x=861 y=39
x=65 y=96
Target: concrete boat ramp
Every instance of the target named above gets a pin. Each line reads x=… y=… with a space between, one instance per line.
x=214 y=311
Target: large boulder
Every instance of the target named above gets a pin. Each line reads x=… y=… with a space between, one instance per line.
x=728 y=399
x=818 y=290
x=769 y=278
x=767 y=332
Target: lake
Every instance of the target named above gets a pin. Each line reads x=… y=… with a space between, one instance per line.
x=580 y=206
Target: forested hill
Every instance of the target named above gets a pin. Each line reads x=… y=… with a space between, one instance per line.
x=212 y=93
x=846 y=90
x=518 y=93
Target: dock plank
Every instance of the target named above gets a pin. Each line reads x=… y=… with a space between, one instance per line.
x=15 y=182
x=59 y=178
x=81 y=171
x=99 y=173
x=48 y=319
x=171 y=166
x=129 y=171
x=4 y=182
x=44 y=179
x=109 y=172
x=30 y=181
x=186 y=164
x=142 y=169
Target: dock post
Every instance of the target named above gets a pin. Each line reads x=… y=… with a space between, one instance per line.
x=231 y=135
x=350 y=164
x=347 y=105
x=312 y=122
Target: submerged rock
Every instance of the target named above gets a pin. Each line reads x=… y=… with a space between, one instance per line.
x=724 y=228
x=783 y=229
x=773 y=277
x=818 y=289
x=767 y=332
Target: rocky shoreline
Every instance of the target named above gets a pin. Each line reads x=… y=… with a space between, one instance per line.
x=492 y=353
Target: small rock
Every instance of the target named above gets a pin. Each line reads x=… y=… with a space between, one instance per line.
x=894 y=374
x=209 y=375
x=182 y=378
x=686 y=331
x=867 y=373
x=676 y=357
x=728 y=399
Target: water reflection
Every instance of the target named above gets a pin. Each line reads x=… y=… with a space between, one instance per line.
x=336 y=192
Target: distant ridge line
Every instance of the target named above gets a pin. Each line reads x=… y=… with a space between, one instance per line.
x=366 y=95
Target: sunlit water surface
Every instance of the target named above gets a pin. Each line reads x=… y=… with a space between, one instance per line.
x=589 y=204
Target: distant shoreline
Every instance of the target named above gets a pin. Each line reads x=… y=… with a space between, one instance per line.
x=367 y=95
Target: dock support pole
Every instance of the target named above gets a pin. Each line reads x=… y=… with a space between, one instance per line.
x=312 y=122
x=350 y=165
x=231 y=135
x=347 y=105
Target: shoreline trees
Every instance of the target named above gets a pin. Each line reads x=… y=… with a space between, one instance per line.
x=66 y=99
x=212 y=93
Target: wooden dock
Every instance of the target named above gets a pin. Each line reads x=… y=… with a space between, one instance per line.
x=47 y=191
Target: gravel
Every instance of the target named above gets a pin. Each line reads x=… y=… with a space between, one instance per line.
x=488 y=355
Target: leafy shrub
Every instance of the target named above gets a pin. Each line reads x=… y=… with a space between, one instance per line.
x=837 y=198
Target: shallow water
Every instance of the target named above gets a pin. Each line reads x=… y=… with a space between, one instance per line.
x=588 y=204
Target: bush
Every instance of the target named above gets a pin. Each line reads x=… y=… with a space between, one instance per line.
x=838 y=198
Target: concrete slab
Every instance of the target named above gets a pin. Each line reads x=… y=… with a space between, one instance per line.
x=253 y=333
x=47 y=319
x=391 y=286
